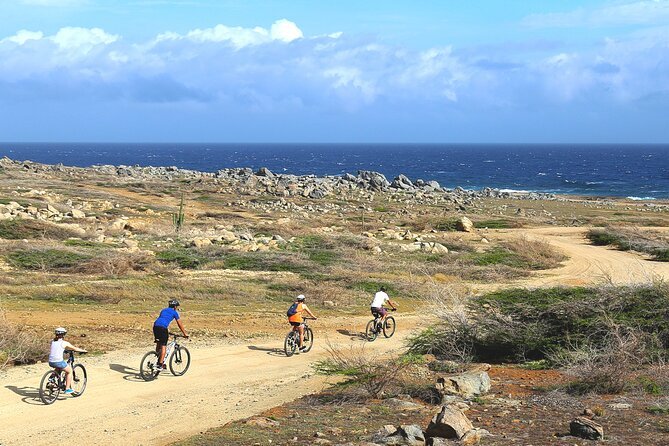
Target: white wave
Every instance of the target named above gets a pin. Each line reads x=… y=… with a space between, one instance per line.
x=641 y=198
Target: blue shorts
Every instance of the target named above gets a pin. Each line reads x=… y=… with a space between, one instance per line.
x=58 y=365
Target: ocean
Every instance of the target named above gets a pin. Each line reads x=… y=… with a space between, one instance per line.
x=640 y=172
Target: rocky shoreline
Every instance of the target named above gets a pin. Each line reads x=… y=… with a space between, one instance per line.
x=264 y=181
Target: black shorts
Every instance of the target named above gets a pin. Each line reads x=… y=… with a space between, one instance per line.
x=161 y=335
x=295 y=324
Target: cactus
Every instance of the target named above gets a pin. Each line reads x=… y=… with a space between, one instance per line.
x=178 y=218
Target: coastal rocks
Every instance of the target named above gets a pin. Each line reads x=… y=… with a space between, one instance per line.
x=586 y=428
x=402 y=182
x=464 y=224
x=376 y=181
x=466 y=385
x=265 y=172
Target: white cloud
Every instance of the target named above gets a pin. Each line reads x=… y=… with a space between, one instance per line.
x=23 y=36
x=282 y=30
x=629 y=13
x=82 y=39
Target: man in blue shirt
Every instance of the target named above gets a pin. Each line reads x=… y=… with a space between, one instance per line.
x=160 y=328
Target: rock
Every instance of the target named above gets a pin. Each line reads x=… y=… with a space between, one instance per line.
x=465 y=225
x=317 y=194
x=265 y=172
x=76 y=213
x=377 y=181
x=262 y=422
x=436 y=441
x=484 y=240
x=466 y=385
x=200 y=242
x=413 y=435
x=474 y=437
x=278 y=239
x=329 y=303
x=620 y=406
x=402 y=182
x=129 y=243
x=227 y=236
x=449 y=423
x=118 y=224
x=586 y=428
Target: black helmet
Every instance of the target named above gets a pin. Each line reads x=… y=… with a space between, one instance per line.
x=383 y=288
x=173 y=303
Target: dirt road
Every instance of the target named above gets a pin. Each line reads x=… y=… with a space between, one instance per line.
x=224 y=383
x=589 y=264
x=229 y=382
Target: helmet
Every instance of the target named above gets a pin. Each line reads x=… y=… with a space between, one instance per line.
x=383 y=288
x=60 y=331
x=173 y=303
x=301 y=298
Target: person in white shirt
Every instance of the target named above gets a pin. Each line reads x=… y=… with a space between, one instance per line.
x=56 y=360
x=380 y=298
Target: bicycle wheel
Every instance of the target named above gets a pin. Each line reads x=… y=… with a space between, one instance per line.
x=49 y=387
x=79 y=379
x=148 y=367
x=389 y=327
x=179 y=361
x=370 y=331
x=308 y=340
x=290 y=344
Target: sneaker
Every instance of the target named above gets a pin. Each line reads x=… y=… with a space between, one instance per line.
x=69 y=391
x=303 y=349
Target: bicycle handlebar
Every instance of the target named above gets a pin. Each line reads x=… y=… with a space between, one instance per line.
x=178 y=335
x=309 y=318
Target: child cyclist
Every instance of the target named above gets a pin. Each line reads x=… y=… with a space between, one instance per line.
x=295 y=317
x=58 y=347
x=161 y=332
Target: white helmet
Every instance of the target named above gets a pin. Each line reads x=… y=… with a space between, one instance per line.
x=60 y=331
x=301 y=297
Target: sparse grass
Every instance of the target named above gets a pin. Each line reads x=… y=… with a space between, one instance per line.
x=18 y=345
x=496 y=224
x=183 y=257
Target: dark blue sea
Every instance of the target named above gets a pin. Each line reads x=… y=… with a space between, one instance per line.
x=638 y=171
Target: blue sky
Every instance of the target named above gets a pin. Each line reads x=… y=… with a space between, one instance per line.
x=323 y=71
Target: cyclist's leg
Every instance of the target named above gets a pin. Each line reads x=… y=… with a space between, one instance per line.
x=68 y=376
x=300 y=328
x=161 y=336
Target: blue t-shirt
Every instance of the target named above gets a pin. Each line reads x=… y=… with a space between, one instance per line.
x=166 y=317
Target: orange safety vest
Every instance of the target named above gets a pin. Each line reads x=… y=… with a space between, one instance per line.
x=297 y=317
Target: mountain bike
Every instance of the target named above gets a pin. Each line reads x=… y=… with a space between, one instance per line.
x=292 y=342
x=179 y=360
x=375 y=327
x=53 y=381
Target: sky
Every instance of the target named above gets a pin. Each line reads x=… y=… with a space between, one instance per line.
x=347 y=71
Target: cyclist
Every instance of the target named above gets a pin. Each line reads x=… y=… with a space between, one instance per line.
x=56 y=360
x=295 y=317
x=160 y=331
x=380 y=298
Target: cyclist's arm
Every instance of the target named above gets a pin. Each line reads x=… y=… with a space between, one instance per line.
x=69 y=346
x=181 y=327
x=392 y=305
x=308 y=311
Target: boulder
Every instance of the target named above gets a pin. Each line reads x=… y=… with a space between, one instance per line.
x=466 y=385
x=200 y=242
x=405 y=435
x=118 y=224
x=317 y=194
x=377 y=181
x=227 y=236
x=265 y=172
x=465 y=225
x=449 y=423
x=586 y=428
x=76 y=213
x=473 y=437
x=402 y=182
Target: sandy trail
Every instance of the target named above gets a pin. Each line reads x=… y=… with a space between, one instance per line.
x=589 y=264
x=224 y=383
x=228 y=382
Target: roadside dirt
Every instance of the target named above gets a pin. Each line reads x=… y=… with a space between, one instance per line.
x=224 y=383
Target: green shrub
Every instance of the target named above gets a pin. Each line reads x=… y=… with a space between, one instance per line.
x=85 y=243
x=498 y=256
x=183 y=257
x=45 y=259
x=263 y=262
x=625 y=239
x=32 y=229
x=447 y=225
x=495 y=224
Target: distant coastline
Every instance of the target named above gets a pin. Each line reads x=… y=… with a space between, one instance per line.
x=633 y=172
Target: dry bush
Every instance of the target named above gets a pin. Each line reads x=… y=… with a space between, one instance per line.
x=113 y=264
x=374 y=373
x=537 y=253
x=629 y=238
x=18 y=345
x=608 y=366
